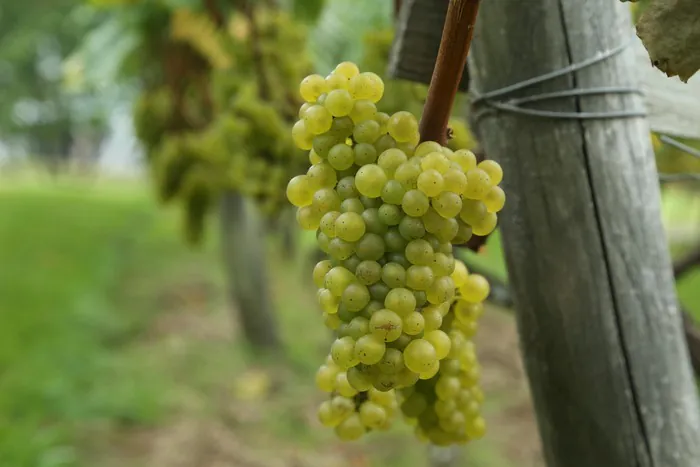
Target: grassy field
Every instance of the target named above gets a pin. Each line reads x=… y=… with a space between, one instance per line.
x=117 y=349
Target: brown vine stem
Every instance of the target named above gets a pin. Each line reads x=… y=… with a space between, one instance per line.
x=451 y=60
x=397 y=8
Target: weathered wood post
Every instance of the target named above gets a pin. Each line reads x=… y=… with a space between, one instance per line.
x=591 y=276
x=600 y=330
x=243 y=247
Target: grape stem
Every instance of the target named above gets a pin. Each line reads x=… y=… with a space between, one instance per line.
x=449 y=66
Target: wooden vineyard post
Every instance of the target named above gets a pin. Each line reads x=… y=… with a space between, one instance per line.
x=591 y=276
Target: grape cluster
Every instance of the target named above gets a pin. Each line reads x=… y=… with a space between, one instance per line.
x=387 y=210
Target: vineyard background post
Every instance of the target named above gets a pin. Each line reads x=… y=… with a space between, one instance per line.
x=589 y=267
x=243 y=247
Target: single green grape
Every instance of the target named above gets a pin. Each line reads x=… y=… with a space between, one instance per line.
x=355 y=296
x=493 y=169
x=435 y=161
x=350 y=429
x=368 y=272
x=366 y=131
x=299 y=191
x=341 y=128
x=365 y=154
x=411 y=228
x=447 y=204
x=337 y=279
x=393 y=192
x=325 y=377
x=346 y=188
x=413 y=323
x=343 y=387
x=486 y=225
x=473 y=211
x=440 y=341
x=415 y=203
x=407 y=175
x=341 y=157
x=370 y=247
x=336 y=81
x=308 y=218
x=369 y=349
x=302 y=138
x=495 y=199
x=391 y=159
x=431 y=182
x=352 y=205
x=312 y=87
x=339 y=102
x=370 y=180
x=454 y=181
x=419 y=252
x=382 y=118
x=478 y=184
x=385 y=324
x=390 y=214
x=343 y=352
x=384 y=143
x=401 y=301
x=322 y=268
x=317 y=119
x=325 y=200
x=432 y=318
x=394 y=241
x=475 y=288
x=465 y=158
x=419 y=277
x=347 y=69
x=321 y=176
x=393 y=275
x=403 y=126
x=373 y=223
x=363 y=109
x=372 y=415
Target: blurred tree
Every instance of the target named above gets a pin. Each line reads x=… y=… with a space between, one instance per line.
x=35 y=110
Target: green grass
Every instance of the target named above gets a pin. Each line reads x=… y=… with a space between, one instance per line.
x=64 y=249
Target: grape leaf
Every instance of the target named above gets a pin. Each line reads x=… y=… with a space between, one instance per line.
x=670 y=31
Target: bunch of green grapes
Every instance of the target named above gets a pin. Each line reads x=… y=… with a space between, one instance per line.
x=386 y=211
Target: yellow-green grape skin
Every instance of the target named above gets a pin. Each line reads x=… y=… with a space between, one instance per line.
x=328 y=301
x=352 y=205
x=325 y=378
x=327 y=224
x=321 y=176
x=337 y=279
x=411 y=228
x=355 y=297
x=358 y=327
x=370 y=247
x=467 y=312
x=415 y=203
x=308 y=218
x=343 y=352
x=327 y=416
x=299 y=191
x=440 y=341
x=362 y=87
x=391 y=159
x=426 y=147
x=393 y=275
x=377 y=87
x=447 y=204
x=420 y=356
x=465 y=158
x=346 y=188
x=402 y=126
x=314 y=158
x=432 y=318
x=370 y=349
x=336 y=81
x=303 y=109
x=393 y=192
x=317 y=119
x=320 y=270
x=430 y=182
x=495 y=199
x=370 y=180
x=475 y=289
x=358 y=380
x=347 y=69
x=478 y=184
x=342 y=386
x=341 y=157
x=493 y=169
x=419 y=277
x=372 y=414
x=435 y=161
x=312 y=87
x=419 y=252
x=325 y=200
x=340 y=249
x=455 y=181
x=341 y=127
x=365 y=154
x=413 y=323
x=486 y=225
x=476 y=428
x=366 y=131
x=401 y=301
x=350 y=429
x=441 y=290
x=385 y=324
x=303 y=139
x=392 y=362
x=447 y=388
x=331 y=321
x=368 y=272
x=407 y=174
x=350 y=226
x=382 y=118
x=473 y=211
x=390 y=214
x=339 y=103
x=362 y=110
